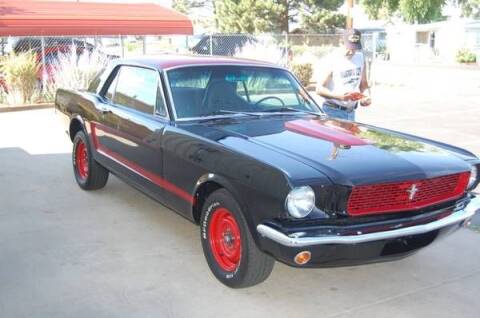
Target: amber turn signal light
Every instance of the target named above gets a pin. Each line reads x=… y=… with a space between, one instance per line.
x=303 y=258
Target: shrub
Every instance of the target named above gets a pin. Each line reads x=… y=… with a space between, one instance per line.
x=3 y=96
x=303 y=72
x=20 y=73
x=466 y=56
x=73 y=71
x=316 y=51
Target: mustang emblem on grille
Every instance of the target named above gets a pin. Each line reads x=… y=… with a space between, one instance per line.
x=412 y=191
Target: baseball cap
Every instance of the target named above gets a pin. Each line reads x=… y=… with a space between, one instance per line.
x=352 y=39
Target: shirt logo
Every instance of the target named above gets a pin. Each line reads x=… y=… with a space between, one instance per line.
x=412 y=191
x=354 y=38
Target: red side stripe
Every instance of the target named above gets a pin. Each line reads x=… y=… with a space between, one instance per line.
x=152 y=177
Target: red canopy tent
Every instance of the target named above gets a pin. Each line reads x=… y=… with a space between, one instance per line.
x=50 y=18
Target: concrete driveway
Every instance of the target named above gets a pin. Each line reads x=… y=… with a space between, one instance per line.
x=65 y=252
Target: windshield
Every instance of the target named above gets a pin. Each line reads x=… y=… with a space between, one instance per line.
x=200 y=91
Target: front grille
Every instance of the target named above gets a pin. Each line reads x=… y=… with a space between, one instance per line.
x=406 y=195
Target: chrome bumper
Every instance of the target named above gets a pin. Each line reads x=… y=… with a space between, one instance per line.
x=296 y=239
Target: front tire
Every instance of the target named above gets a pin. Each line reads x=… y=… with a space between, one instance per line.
x=89 y=174
x=228 y=246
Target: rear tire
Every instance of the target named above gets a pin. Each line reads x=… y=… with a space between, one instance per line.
x=89 y=174
x=228 y=246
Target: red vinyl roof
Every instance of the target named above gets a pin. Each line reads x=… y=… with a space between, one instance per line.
x=167 y=61
x=30 y=17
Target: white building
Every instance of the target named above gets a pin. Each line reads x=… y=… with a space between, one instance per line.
x=432 y=42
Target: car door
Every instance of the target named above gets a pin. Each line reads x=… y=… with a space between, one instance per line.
x=134 y=119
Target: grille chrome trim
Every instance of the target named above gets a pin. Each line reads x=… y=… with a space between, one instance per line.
x=406 y=195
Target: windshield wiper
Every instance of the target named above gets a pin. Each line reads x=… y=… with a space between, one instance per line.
x=222 y=111
x=217 y=115
x=291 y=109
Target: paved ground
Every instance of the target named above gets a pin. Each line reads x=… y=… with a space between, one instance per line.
x=116 y=253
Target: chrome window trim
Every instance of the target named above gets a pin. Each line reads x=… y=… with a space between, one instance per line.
x=162 y=92
x=172 y=103
x=170 y=96
x=266 y=65
x=226 y=116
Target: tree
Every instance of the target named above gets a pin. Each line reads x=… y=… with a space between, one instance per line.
x=321 y=15
x=380 y=9
x=421 y=11
x=249 y=16
x=322 y=21
x=470 y=8
x=186 y=6
x=277 y=15
x=197 y=10
x=413 y=11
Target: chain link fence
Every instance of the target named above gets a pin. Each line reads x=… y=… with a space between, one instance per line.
x=208 y=44
x=283 y=49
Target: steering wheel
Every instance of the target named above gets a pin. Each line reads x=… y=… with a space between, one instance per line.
x=269 y=97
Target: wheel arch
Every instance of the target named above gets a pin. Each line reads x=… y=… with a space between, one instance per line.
x=206 y=185
x=76 y=124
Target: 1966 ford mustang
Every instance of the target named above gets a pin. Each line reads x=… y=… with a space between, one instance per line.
x=240 y=148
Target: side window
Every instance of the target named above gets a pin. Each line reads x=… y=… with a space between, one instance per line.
x=137 y=88
x=94 y=84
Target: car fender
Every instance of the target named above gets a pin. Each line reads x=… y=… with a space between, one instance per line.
x=234 y=191
x=223 y=182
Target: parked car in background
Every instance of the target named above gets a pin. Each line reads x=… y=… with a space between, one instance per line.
x=222 y=44
x=53 y=48
x=241 y=149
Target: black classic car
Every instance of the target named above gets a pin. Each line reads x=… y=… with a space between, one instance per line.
x=240 y=148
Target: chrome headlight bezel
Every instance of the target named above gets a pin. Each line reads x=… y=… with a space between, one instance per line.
x=300 y=201
x=473 y=177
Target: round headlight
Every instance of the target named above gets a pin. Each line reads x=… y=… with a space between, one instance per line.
x=473 y=176
x=300 y=201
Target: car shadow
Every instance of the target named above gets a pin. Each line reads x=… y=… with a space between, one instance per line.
x=117 y=242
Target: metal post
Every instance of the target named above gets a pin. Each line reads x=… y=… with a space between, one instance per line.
x=144 y=45
x=44 y=66
x=122 y=47
x=286 y=52
x=211 y=44
x=96 y=40
x=349 y=14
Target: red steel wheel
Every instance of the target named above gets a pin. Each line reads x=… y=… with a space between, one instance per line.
x=81 y=160
x=225 y=239
x=89 y=174
x=229 y=248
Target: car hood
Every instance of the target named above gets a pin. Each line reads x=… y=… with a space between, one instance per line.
x=346 y=152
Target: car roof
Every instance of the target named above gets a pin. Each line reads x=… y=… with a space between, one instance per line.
x=167 y=61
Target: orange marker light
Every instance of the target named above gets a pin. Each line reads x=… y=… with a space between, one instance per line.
x=303 y=258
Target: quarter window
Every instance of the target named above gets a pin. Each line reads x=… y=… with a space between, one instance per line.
x=137 y=89
x=111 y=89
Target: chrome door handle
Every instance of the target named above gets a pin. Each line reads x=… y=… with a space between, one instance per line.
x=105 y=111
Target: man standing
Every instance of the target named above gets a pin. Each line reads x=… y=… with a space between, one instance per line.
x=344 y=83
